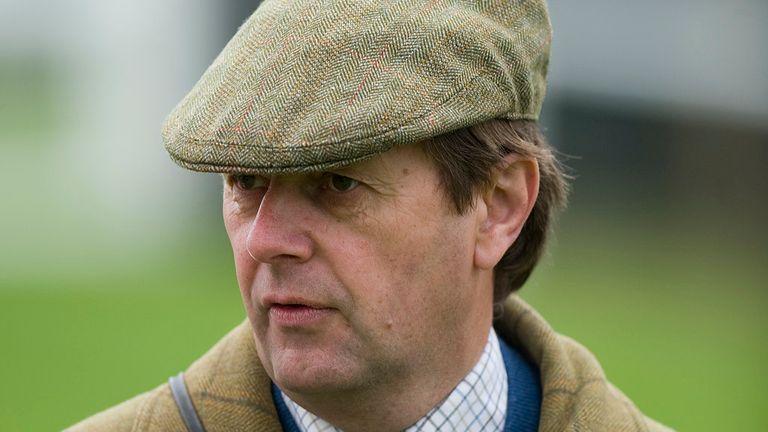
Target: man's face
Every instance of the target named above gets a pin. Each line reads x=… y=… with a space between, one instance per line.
x=354 y=278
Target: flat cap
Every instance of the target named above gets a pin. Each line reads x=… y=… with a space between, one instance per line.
x=311 y=85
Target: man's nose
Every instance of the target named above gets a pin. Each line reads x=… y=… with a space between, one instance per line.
x=280 y=230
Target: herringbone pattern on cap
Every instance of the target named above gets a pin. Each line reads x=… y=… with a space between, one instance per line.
x=310 y=85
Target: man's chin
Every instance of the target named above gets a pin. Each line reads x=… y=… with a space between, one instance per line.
x=307 y=370
x=306 y=383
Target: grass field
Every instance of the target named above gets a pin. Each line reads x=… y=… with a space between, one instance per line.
x=683 y=336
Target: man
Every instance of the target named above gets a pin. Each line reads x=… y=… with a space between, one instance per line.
x=385 y=189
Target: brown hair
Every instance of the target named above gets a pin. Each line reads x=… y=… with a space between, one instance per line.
x=466 y=158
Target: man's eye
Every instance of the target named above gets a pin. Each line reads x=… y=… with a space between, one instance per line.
x=247 y=182
x=339 y=183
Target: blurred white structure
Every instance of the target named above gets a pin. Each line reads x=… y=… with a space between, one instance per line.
x=702 y=58
x=100 y=190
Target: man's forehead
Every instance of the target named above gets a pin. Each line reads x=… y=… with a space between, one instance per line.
x=391 y=164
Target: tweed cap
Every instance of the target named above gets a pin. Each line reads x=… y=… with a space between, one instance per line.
x=311 y=85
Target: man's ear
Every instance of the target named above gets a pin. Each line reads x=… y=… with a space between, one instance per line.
x=506 y=204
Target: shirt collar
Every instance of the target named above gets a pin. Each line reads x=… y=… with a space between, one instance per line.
x=477 y=403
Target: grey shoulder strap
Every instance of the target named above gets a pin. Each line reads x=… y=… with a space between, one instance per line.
x=183 y=401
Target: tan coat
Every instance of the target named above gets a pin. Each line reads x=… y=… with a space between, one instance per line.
x=231 y=391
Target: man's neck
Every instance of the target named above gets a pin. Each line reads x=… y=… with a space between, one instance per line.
x=397 y=404
x=479 y=400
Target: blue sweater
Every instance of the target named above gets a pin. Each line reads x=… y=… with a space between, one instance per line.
x=523 y=398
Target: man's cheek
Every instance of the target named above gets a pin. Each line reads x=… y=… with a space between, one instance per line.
x=238 y=234
x=245 y=271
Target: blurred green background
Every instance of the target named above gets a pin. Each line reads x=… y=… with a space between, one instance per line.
x=115 y=271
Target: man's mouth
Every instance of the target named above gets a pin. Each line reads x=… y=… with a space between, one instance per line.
x=297 y=314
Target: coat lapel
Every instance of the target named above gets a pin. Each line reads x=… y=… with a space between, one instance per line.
x=229 y=387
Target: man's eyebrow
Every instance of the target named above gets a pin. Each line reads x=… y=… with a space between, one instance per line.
x=382 y=178
x=362 y=171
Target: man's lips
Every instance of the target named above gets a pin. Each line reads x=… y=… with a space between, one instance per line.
x=295 y=312
x=297 y=315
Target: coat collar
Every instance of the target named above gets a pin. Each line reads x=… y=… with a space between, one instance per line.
x=575 y=392
x=231 y=391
